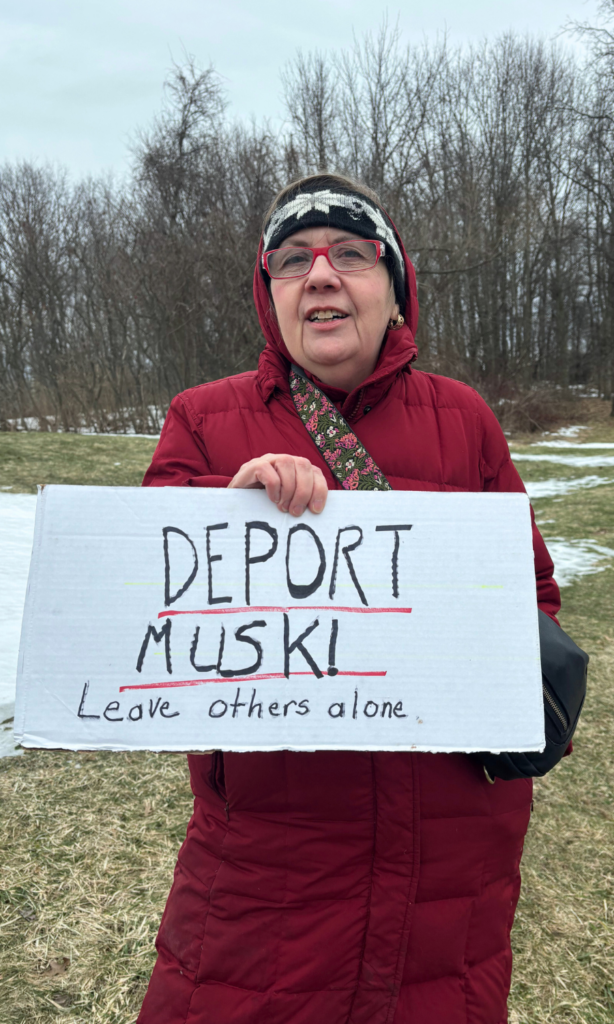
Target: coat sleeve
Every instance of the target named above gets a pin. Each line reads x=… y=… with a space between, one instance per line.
x=500 y=474
x=180 y=458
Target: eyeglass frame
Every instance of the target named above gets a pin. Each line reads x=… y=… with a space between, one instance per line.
x=323 y=251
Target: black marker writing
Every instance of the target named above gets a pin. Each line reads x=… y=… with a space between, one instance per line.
x=158 y=635
x=214 y=558
x=337 y=710
x=253 y=706
x=168 y=598
x=163 y=709
x=113 y=706
x=194 y=649
x=305 y=590
x=82 y=704
x=297 y=645
x=332 y=648
x=135 y=714
x=236 y=704
x=218 y=708
x=216 y=713
x=346 y=554
x=250 y=559
x=228 y=673
x=395 y=553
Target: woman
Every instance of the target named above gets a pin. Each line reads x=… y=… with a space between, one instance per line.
x=339 y=886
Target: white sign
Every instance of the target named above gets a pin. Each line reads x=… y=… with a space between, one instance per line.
x=192 y=619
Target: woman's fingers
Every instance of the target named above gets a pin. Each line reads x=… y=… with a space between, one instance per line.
x=285 y=466
x=258 y=473
x=291 y=482
x=319 y=493
x=303 y=489
x=267 y=475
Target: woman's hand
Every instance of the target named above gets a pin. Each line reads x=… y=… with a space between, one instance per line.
x=293 y=483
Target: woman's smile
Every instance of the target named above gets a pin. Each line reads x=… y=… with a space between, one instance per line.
x=326 y=318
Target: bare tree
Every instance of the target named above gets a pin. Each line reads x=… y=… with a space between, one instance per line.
x=309 y=86
x=496 y=163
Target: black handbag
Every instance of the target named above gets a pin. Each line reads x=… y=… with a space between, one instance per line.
x=564 y=668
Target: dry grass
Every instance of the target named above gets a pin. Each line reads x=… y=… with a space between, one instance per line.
x=89 y=840
x=564 y=932
x=539 y=408
x=28 y=459
x=593 y=414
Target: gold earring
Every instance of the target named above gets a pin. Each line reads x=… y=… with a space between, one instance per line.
x=395 y=325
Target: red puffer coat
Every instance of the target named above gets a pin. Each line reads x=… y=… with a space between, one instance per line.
x=340 y=887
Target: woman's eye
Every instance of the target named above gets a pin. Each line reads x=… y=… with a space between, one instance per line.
x=295 y=259
x=350 y=254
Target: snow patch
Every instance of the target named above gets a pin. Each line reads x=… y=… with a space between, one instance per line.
x=575 y=447
x=566 y=460
x=122 y=416
x=575 y=558
x=16 y=533
x=126 y=433
x=548 y=488
x=569 y=431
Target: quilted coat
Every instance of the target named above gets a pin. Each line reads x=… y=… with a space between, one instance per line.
x=343 y=887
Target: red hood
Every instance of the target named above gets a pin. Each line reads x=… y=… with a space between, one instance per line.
x=399 y=348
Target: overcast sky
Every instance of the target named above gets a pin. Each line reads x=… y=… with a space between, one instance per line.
x=77 y=77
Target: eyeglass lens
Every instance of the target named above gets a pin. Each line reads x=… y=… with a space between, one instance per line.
x=344 y=256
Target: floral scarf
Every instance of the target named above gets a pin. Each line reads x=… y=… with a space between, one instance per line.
x=337 y=443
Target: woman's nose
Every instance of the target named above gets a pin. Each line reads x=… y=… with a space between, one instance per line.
x=322 y=275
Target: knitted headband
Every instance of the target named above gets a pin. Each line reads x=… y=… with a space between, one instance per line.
x=347 y=211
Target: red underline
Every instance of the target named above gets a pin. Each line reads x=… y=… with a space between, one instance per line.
x=289 y=608
x=238 y=679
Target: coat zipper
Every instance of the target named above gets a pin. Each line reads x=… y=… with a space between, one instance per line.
x=555 y=707
x=356 y=407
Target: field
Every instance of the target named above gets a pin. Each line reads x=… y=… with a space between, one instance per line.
x=38 y=458
x=89 y=840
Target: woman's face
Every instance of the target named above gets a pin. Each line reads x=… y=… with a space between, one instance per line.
x=339 y=352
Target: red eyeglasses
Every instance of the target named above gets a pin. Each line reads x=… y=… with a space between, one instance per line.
x=345 y=257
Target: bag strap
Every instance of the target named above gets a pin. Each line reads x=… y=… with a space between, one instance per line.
x=345 y=456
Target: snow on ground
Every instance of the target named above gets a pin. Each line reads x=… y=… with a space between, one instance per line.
x=574 y=447
x=548 y=488
x=594 y=461
x=34 y=423
x=96 y=433
x=568 y=431
x=32 y=426
x=16 y=531
x=575 y=558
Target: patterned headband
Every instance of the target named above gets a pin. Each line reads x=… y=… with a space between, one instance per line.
x=350 y=212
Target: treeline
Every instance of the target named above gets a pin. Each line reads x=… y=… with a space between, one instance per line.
x=495 y=162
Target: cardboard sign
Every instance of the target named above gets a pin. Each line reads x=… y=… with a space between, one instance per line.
x=187 y=619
